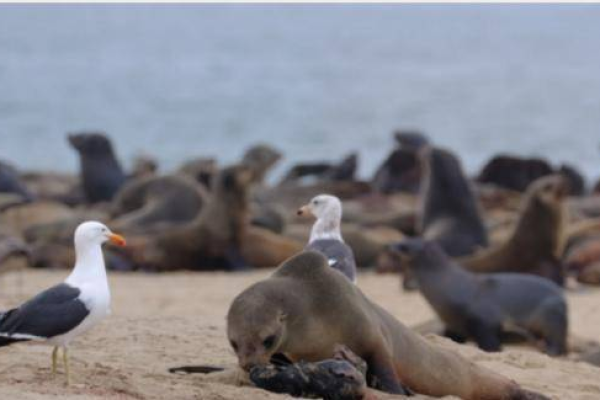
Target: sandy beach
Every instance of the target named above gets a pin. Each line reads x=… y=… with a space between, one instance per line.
x=160 y=321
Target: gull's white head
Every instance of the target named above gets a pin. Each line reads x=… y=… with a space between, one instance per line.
x=328 y=211
x=323 y=206
x=95 y=233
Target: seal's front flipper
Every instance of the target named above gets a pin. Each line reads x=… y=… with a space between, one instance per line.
x=382 y=375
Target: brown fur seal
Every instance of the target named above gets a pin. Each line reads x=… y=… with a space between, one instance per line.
x=536 y=244
x=450 y=213
x=149 y=204
x=481 y=306
x=260 y=159
x=306 y=308
x=203 y=170
x=220 y=237
x=101 y=172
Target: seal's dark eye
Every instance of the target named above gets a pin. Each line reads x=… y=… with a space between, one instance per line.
x=234 y=345
x=269 y=342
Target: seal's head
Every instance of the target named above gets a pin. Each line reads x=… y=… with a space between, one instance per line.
x=91 y=144
x=416 y=250
x=260 y=159
x=549 y=190
x=323 y=206
x=256 y=326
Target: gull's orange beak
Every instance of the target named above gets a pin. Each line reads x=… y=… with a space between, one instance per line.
x=117 y=239
x=305 y=211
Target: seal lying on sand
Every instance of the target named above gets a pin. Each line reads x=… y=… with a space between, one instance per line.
x=345 y=170
x=479 y=306
x=450 y=213
x=306 y=308
x=101 y=173
x=326 y=235
x=153 y=203
x=536 y=244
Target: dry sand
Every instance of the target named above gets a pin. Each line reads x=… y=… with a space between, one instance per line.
x=168 y=320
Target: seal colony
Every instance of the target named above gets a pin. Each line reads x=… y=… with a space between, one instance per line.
x=206 y=216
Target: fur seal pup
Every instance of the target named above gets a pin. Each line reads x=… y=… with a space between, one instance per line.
x=450 y=214
x=307 y=308
x=101 y=173
x=326 y=236
x=536 y=244
x=149 y=204
x=401 y=171
x=480 y=306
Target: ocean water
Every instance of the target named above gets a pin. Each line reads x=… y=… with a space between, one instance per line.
x=314 y=81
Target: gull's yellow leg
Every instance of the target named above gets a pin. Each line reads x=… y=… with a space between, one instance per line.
x=66 y=363
x=54 y=360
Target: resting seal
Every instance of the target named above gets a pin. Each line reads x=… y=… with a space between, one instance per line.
x=157 y=202
x=101 y=173
x=219 y=237
x=480 y=306
x=306 y=308
x=345 y=170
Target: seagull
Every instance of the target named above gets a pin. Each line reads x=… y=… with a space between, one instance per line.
x=58 y=315
x=326 y=237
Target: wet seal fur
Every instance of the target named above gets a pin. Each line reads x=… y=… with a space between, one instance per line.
x=482 y=306
x=306 y=308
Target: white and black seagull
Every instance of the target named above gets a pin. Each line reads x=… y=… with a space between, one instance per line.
x=326 y=235
x=58 y=315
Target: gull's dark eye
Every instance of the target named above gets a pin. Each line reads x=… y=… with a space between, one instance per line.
x=269 y=342
x=316 y=202
x=234 y=345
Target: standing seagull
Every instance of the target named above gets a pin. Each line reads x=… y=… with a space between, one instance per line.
x=326 y=237
x=60 y=314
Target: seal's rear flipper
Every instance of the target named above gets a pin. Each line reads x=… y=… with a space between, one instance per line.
x=196 y=369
